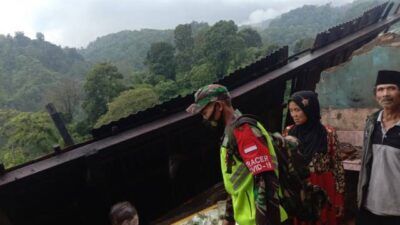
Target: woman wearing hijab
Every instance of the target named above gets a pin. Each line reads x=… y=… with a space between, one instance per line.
x=319 y=144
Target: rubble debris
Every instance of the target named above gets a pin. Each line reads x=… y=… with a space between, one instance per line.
x=348 y=151
x=209 y=216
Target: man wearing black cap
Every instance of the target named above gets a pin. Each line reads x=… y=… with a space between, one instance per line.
x=379 y=181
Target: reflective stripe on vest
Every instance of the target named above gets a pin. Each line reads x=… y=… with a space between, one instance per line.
x=241 y=190
x=239 y=175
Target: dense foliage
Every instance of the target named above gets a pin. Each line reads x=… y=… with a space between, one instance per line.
x=125 y=49
x=309 y=20
x=123 y=73
x=25 y=136
x=103 y=83
x=30 y=67
x=129 y=102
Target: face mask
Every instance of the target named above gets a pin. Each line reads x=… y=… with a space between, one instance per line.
x=212 y=124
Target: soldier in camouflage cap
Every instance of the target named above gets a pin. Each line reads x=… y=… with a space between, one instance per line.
x=207 y=94
x=245 y=207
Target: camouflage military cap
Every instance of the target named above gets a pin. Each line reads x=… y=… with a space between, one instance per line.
x=207 y=94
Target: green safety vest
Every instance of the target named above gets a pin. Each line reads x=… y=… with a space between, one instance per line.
x=240 y=184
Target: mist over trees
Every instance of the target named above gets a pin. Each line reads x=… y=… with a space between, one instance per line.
x=122 y=73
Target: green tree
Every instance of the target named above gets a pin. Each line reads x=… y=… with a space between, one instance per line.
x=5 y=115
x=28 y=83
x=129 y=102
x=103 y=83
x=153 y=79
x=28 y=68
x=13 y=156
x=166 y=90
x=21 y=39
x=251 y=37
x=160 y=59
x=26 y=136
x=184 y=43
x=198 y=27
x=183 y=37
x=202 y=75
x=66 y=97
x=183 y=82
x=126 y=49
x=252 y=54
x=39 y=36
x=223 y=47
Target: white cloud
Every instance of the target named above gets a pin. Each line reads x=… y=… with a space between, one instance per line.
x=77 y=22
x=260 y=15
x=278 y=7
x=19 y=15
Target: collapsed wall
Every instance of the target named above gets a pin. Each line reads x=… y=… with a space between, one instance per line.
x=346 y=91
x=346 y=96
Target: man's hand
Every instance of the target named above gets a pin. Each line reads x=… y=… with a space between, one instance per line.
x=226 y=222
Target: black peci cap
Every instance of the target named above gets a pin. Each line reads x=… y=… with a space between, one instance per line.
x=388 y=77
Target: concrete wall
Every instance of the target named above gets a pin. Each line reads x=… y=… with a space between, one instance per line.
x=350 y=85
x=346 y=91
x=348 y=122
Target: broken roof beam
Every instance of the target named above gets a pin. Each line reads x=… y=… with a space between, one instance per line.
x=59 y=123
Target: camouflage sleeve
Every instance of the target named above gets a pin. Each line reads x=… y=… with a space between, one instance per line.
x=266 y=183
x=286 y=141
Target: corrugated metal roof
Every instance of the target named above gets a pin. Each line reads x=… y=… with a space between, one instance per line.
x=241 y=81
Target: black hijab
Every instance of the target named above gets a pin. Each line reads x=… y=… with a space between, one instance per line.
x=312 y=133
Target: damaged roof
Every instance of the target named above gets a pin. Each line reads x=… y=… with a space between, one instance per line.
x=136 y=154
x=274 y=66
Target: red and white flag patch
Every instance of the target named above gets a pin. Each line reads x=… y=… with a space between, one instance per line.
x=255 y=154
x=250 y=149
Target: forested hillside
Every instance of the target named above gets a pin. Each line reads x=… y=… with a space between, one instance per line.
x=298 y=27
x=125 y=72
x=34 y=72
x=126 y=49
x=29 y=69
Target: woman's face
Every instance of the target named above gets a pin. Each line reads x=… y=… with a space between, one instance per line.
x=299 y=117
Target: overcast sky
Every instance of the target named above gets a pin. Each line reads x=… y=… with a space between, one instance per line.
x=75 y=23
